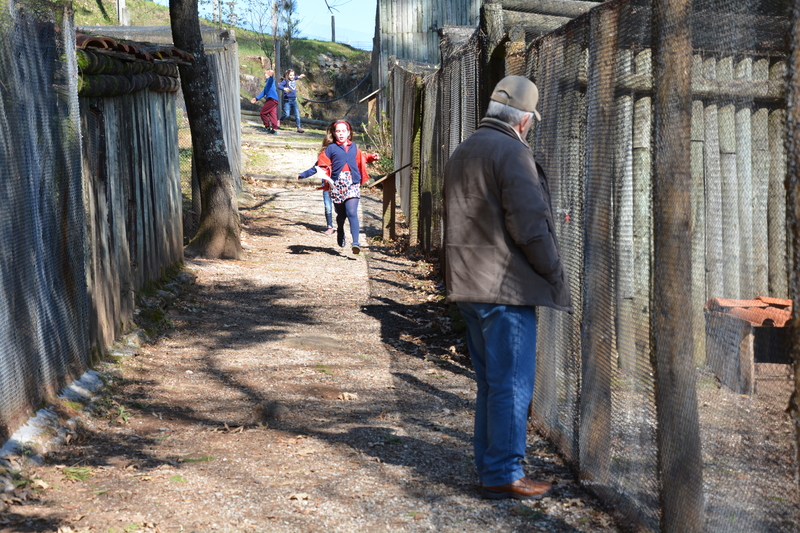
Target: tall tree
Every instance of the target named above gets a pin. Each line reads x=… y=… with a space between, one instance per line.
x=218 y=233
x=288 y=10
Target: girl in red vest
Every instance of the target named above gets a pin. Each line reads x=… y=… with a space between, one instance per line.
x=345 y=168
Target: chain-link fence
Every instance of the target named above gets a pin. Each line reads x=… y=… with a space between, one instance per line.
x=91 y=197
x=44 y=302
x=663 y=138
x=430 y=114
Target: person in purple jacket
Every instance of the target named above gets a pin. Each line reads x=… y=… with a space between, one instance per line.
x=269 y=113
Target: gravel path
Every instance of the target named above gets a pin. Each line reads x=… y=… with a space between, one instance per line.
x=300 y=389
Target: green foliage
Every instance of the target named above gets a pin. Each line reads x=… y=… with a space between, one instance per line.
x=77 y=473
x=322 y=369
x=76 y=406
x=204 y=459
x=94 y=12
x=380 y=141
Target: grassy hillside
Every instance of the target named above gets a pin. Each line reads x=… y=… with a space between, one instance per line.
x=147 y=13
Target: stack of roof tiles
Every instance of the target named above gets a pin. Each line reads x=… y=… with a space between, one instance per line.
x=109 y=67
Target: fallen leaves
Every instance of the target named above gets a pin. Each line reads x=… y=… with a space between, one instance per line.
x=348 y=396
x=40 y=484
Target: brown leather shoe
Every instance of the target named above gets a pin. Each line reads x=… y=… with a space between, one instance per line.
x=522 y=489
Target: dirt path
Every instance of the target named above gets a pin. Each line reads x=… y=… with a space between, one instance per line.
x=300 y=389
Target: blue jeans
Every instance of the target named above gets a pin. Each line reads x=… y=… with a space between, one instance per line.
x=290 y=105
x=326 y=199
x=347 y=210
x=502 y=344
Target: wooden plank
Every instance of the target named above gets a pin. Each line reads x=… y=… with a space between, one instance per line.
x=642 y=210
x=597 y=350
x=680 y=460
x=389 y=206
x=561 y=8
x=744 y=154
x=730 y=188
x=715 y=275
x=625 y=264
x=760 y=165
x=699 y=296
x=778 y=242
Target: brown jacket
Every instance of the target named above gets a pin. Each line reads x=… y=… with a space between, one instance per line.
x=499 y=233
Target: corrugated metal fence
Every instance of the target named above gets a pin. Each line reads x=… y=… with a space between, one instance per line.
x=664 y=147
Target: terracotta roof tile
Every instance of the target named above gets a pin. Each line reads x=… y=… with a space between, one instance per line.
x=775 y=302
x=147 y=52
x=721 y=304
x=762 y=311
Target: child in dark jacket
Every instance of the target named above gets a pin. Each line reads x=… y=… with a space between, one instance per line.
x=345 y=169
x=289 y=87
x=269 y=113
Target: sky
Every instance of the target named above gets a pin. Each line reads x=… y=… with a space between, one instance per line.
x=355 y=21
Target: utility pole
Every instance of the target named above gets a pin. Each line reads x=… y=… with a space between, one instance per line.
x=333 y=29
x=123 y=15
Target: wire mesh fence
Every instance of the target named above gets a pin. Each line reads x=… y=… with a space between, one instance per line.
x=663 y=138
x=44 y=300
x=91 y=195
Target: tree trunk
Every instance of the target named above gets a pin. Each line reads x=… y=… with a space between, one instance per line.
x=217 y=235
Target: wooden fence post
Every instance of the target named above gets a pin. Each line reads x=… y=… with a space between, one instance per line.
x=678 y=435
x=389 y=206
x=793 y=213
x=598 y=304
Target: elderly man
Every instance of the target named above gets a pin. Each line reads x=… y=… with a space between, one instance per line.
x=502 y=261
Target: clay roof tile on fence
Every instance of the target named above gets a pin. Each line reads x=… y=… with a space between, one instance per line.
x=762 y=311
x=84 y=41
x=111 y=67
x=721 y=304
x=138 y=50
x=775 y=302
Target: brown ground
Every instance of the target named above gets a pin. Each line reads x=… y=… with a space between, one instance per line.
x=300 y=389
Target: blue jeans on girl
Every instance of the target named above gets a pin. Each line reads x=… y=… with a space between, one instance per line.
x=290 y=107
x=326 y=199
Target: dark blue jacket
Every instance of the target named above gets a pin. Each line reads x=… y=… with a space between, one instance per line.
x=292 y=85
